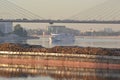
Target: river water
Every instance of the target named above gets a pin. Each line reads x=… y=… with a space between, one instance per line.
x=105 y=42
x=64 y=74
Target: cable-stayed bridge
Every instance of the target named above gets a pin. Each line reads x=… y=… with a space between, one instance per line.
x=105 y=13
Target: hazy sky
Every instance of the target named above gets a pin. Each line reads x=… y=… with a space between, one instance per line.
x=60 y=9
x=54 y=9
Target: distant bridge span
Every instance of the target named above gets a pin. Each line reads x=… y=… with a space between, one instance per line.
x=62 y=21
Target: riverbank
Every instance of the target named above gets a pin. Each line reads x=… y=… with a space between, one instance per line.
x=60 y=49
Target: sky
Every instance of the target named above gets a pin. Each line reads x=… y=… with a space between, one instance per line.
x=57 y=9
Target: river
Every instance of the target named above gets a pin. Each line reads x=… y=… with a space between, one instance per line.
x=71 y=73
x=105 y=42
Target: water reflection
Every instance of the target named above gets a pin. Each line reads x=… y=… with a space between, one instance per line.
x=13 y=40
x=60 y=74
x=44 y=68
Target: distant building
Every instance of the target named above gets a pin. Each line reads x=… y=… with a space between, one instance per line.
x=6 y=27
x=56 y=29
x=109 y=30
x=62 y=29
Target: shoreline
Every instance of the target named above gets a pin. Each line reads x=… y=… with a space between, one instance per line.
x=101 y=37
x=60 y=49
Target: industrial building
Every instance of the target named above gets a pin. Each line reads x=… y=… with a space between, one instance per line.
x=6 y=27
x=56 y=29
